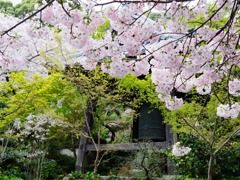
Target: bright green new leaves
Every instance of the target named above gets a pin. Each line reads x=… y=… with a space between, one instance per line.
x=101 y=30
x=36 y=95
x=95 y=86
x=139 y=91
x=202 y=122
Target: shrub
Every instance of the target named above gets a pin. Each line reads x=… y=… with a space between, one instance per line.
x=195 y=164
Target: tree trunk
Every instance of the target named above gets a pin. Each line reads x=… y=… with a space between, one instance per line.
x=89 y=120
x=210 y=164
x=81 y=154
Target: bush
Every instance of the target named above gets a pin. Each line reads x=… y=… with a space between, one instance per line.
x=150 y=160
x=75 y=175
x=49 y=169
x=6 y=177
x=195 y=164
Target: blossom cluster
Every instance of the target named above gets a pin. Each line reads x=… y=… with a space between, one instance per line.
x=127 y=112
x=36 y=127
x=179 y=150
x=35 y=154
x=228 y=111
x=176 y=58
x=234 y=87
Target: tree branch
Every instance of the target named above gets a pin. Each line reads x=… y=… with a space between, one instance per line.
x=140 y=1
x=27 y=18
x=195 y=130
x=226 y=141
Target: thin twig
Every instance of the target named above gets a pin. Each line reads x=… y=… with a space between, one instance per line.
x=226 y=141
x=27 y=18
x=140 y=1
x=207 y=140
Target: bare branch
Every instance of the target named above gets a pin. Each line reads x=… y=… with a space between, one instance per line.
x=140 y=1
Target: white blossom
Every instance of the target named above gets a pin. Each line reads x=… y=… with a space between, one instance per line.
x=35 y=125
x=227 y=111
x=59 y=103
x=179 y=150
x=234 y=87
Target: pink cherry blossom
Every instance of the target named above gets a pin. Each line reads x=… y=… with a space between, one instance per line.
x=176 y=58
x=228 y=111
x=234 y=87
x=179 y=150
x=175 y=103
x=127 y=112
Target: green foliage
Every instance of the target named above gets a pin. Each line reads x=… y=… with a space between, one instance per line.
x=194 y=23
x=93 y=83
x=101 y=30
x=154 y=16
x=194 y=165
x=24 y=8
x=38 y=95
x=90 y=176
x=206 y=132
x=65 y=164
x=150 y=160
x=23 y=97
x=113 y=97
x=227 y=162
x=21 y=9
x=200 y=119
x=138 y=91
x=97 y=86
x=49 y=170
x=6 y=7
x=65 y=96
x=5 y=177
x=113 y=162
x=75 y=175
x=16 y=163
x=213 y=24
x=57 y=95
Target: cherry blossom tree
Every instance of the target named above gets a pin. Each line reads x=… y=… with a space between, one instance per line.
x=182 y=50
x=204 y=51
